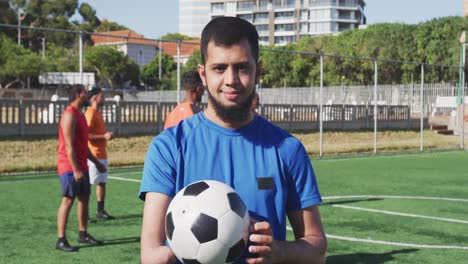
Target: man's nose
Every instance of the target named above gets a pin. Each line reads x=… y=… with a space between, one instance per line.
x=231 y=77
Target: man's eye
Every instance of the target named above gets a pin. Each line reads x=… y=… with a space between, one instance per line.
x=219 y=69
x=244 y=69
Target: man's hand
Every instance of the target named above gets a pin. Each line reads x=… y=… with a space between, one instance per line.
x=101 y=168
x=109 y=135
x=264 y=245
x=78 y=175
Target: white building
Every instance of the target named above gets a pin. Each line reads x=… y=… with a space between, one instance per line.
x=283 y=21
x=141 y=50
x=193 y=16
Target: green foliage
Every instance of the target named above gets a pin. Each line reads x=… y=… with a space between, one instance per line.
x=295 y=65
x=111 y=66
x=17 y=64
x=150 y=72
x=192 y=62
x=276 y=65
x=176 y=36
x=107 y=25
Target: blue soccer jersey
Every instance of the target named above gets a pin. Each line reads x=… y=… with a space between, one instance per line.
x=267 y=166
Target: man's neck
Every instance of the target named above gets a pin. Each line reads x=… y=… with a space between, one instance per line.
x=76 y=104
x=189 y=98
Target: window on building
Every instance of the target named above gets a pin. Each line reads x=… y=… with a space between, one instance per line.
x=263 y=29
x=276 y=3
x=304 y=14
x=261 y=18
x=314 y=3
x=263 y=41
x=263 y=4
x=245 y=5
x=284 y=15
x=320 y=27
x=304 y=27
x=230 y=7
x=289 y=3
x=217 y=7
x=248 y=17
x=284 y=39
x=284 y=27
x=320 y=14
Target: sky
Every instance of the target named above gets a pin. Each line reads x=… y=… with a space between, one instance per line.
x=155 y=18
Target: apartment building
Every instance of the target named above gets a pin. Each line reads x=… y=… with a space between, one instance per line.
x=193 y=16
x=279 y=22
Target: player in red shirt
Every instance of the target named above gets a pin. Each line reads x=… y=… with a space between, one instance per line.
x=72 y=168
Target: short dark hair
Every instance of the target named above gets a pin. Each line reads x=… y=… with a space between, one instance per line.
x=226 y=31
x=191 y=80
x=74 y=90
x=93 y=92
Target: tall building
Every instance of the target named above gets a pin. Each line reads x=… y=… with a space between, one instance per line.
x=193 y=16
x=465 y=8
x=280 y=22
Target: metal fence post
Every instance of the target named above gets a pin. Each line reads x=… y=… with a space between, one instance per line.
x=159 y=113
x=421 y=101
x=118 y=118
x=21 y=118
x=375 y=105
x=321 y=106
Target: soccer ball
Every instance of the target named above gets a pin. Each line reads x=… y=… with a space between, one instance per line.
x=207 y=222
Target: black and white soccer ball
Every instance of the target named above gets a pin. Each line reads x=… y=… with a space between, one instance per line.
x=207 y=222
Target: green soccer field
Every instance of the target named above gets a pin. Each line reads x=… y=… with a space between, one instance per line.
x=392 y=209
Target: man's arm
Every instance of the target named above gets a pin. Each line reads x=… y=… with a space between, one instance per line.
x=68 y=124
x=309 y=247
x=106 y=136
x=101 y=168
x=153 y=235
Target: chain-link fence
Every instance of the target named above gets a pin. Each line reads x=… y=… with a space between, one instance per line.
x=334 y=103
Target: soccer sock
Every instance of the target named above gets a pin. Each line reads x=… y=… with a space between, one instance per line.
x=100 y=206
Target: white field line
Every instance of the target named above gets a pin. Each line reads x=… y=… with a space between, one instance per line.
x=56 y=179
x=381 y=242
x=399 y=214
x=123 y=179
x=352 y=239
x=396 y=197
x=384 y=156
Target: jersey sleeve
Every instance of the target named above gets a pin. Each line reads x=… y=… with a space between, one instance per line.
x=303 y=189
x=159 y=170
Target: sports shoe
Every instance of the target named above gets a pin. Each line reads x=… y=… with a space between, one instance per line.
x=88 y=239
x=64 y=246
x=104 y=215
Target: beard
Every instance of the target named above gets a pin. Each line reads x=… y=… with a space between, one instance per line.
x=232 y=114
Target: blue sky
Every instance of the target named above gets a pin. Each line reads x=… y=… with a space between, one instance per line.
x=154 y=18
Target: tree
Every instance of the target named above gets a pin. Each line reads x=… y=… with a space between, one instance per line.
x=107 y=25
x=17 y=64
x=176 y=36
x=150 y=72
x=112 y=67
x=276 y=65
x=192 y=62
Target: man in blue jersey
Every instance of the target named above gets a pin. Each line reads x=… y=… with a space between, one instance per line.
x=268 y=167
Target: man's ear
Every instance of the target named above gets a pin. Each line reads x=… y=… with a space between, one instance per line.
x=201 y=71
x=259 y=72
